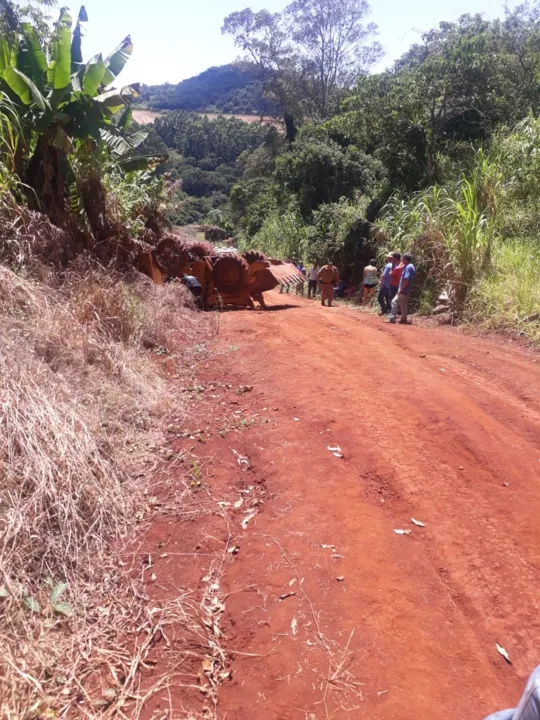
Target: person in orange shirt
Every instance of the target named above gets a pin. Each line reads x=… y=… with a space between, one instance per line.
x=395 y=275
x=328 y=278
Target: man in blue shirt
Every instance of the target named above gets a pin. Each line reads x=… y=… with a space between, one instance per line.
x=384 y=290
x=401 y=300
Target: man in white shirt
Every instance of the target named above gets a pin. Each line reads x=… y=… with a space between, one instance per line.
x=312 y=280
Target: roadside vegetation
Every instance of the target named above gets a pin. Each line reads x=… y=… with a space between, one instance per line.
x=82 y=400
x=438 y=154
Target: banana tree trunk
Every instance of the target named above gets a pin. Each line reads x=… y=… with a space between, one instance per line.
x=46 y=184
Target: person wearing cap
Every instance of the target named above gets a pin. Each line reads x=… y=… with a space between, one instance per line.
x=384 y=290
x=401 y=300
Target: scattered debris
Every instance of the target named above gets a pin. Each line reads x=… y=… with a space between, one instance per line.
x=247 y=519
x=328 y=547
x=296 y=419
x=340 y=578
x=403 y=532
x=337 y=451
x=287 y=595
x=294 y=626
x=417 y=523
x=242 y=460
x=337 y=557
x=503 y=652
x=238 y=504
x=243 y=389
x=506 y=484
x=233 y=550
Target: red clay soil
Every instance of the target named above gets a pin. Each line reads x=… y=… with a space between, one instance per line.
x=433 y=425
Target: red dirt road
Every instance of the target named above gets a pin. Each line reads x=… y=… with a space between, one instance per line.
x=433 y=425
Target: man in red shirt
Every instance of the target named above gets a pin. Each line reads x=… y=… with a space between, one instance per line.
x=395 y=275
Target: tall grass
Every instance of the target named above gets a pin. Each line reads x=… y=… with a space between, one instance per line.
x=81 y=407
x=11 y=140
x=480 y=236
x=283 y=234
x=508 y=297
x=449 y=229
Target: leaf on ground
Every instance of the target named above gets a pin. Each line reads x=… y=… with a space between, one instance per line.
x=233 y=550
x=503 y=652
x=403 y=532
x=242 y=460
x=208 y=664
x=328 y=547
x=32 y=604
x=63 y=608
x=4 y=592
x=57 y=592
x=238 y=504
x=291 y=582
x=336 y=451
x=294 y=626
x=247 y=519
x=340 y=578
x=417 y=523
x=287 y=595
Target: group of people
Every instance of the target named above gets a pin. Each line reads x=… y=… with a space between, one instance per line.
x=395 y=284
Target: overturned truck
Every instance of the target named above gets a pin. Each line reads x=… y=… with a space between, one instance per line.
x=226 y=276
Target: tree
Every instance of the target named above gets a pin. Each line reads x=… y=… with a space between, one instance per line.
x=266 y=45
x=333 y=38
x=64 y=106
x=307 y=53
x=317 y=170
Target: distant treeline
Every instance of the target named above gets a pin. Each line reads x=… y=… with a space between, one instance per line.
x=227 y=89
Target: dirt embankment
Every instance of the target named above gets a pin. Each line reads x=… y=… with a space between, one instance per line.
x=324 y=610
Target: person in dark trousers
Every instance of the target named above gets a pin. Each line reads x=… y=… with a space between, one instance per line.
x=312 y=280
x=401 y=300
x=395 y=275
x=384 y=290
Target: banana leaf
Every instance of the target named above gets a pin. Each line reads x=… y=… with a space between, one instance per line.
x=59 y=72
x=117 y=60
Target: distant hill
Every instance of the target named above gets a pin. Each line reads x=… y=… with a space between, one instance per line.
x=225 y=89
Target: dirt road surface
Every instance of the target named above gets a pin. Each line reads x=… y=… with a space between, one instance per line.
x=432 y=425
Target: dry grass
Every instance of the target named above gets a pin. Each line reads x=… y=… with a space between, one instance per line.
x=82 y=404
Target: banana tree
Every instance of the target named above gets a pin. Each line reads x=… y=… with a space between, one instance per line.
x=65 y=105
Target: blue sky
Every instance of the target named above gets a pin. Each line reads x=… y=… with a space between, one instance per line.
x=175 y=39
